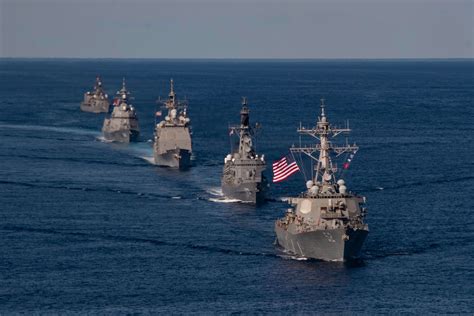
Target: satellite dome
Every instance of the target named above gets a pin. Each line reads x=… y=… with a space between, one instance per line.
x=342 y=189
x=314 y=189
x=173 y=113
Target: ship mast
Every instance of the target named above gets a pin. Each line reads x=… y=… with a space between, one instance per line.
x=123 y=93
x=324 y=170
x=98 y=90
x=245 y=132
x=245 y=142
x=177 y=109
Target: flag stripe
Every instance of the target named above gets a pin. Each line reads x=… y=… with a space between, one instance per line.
x=286 y=175
x=290 y=167
x=279 y=162
x=280 y=167
x=282 y=170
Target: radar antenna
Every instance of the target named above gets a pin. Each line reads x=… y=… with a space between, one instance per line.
x=324 y=169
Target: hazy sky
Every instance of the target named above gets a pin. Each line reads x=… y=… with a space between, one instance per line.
x=237 y=29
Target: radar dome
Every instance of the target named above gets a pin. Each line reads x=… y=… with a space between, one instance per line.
x=314 y=189
x=341 y=182
x=309 y=184
x=342 y=189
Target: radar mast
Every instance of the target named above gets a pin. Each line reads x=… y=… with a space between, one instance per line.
x=324 y=169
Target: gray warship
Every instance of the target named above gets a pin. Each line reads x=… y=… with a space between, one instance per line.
x=243 y=177
x=96 y=101
x=122 y=125
x=172 y=145
x=327 y=221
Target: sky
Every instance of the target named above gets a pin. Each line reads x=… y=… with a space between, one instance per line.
x=237 y=29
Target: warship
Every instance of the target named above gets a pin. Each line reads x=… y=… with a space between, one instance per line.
x=122 y=125
x=172 y=142
x=242 y=177
x=325 y=222
x=96 y=101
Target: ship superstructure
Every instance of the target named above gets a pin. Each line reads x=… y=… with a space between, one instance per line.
x=96 y=101
x=122 y=125
x=243 y=177
x=326 y=221
x=172 y=142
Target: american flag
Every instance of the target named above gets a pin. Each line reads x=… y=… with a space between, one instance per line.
x=116 y=102
x=284 y=168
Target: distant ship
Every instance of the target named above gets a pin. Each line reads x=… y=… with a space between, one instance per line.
x=242 y=177
x=325 y=222
x=96 y=101
x=122 y=125
x=172 y=143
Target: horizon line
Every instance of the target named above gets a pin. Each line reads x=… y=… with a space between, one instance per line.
x=243 y=58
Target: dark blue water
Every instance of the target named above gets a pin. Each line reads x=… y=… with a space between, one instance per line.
x=88 y=226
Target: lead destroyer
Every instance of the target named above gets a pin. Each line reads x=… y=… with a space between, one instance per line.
x=327 y=221
x=122 y=126
x=243 y=177
x=96 y=101
x=172 y=146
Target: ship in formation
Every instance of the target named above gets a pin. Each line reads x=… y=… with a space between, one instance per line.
x=96 y=101
x=122 y=125
x=172 y=145
x=243 y=177
x=325 y=222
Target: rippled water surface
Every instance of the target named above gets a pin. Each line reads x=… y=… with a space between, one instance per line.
x=89 y=226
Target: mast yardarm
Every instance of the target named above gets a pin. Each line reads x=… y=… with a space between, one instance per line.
x=324 y=169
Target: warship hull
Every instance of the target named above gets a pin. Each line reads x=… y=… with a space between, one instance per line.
x=251 y=192
x=329 y=244
x=97 y=107
x=122 y=136
x=176 y=158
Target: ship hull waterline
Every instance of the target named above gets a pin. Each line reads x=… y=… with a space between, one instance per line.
x=176 y=158
x=328 y=245
x=124 y=136
x=252 y=192
x=99 y=107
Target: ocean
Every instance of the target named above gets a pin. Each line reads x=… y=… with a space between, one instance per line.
x=93 y=227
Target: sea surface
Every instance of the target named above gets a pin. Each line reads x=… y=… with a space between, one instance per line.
x=88 y=226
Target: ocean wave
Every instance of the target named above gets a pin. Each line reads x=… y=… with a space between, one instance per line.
x=149 y=159
x=73 y=159
x=103 y=140
x=118 y=238
x=89 y=189
x=417 y=184
x=224 y=200
x=216 y=191
x=65 y=130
